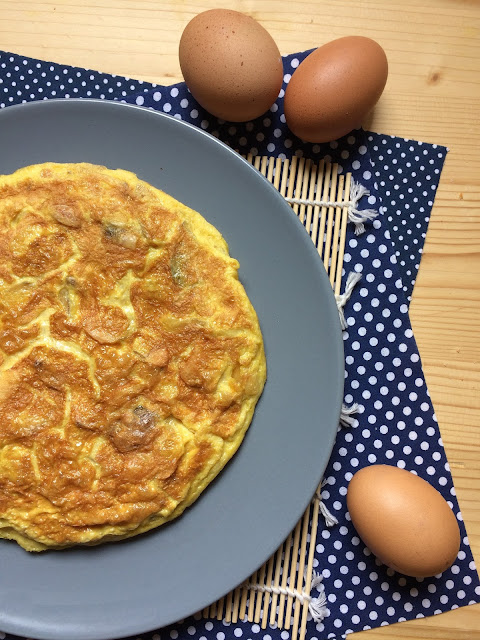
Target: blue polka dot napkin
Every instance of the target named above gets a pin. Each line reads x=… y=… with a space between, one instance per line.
x=395 y=423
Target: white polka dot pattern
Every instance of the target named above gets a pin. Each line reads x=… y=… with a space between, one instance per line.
x=395 y=423
x=406 y=175
x=25 y=80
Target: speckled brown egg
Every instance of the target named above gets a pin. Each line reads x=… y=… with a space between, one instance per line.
x=334 y=88
x=231 y=64
x=403 y=520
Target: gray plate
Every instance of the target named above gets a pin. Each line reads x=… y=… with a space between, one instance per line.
x=135 y=586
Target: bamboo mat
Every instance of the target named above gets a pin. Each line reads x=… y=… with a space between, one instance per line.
x=264 y=597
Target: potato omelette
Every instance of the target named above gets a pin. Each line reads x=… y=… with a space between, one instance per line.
x=131 y=359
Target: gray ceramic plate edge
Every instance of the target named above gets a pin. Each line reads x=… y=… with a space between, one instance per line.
x=153 y=580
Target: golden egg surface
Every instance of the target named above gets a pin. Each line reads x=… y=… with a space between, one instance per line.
x=131 y=359
x=231 y=64
x=403 y=520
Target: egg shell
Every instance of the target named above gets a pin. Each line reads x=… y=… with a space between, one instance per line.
x=334 y=88
x=403 y=520
x=231 y=64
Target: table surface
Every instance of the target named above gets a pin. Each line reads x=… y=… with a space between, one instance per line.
x=433 y=95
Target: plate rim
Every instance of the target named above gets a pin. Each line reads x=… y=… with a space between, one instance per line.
x=316 y=263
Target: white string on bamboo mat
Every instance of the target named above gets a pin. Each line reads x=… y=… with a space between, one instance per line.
x=355 y=215
x=342 y=299
x=316 y=606
x=329 y=518
x=346 y=415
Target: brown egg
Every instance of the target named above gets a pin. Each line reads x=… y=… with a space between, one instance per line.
x=334 y=88
x=403 y=520
x=231 y=64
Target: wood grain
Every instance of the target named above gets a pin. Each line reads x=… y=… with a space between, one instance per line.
x=433 y=94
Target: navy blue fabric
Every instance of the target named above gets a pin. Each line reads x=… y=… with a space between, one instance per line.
x=396 y=423
x=406 y=175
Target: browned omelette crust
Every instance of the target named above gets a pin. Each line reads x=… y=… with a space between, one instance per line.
x=131 y=359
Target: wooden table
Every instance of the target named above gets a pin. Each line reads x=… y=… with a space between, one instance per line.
x=433 y=94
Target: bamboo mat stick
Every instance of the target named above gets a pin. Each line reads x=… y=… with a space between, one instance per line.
x=263 y=165
x=285 y=567
x=299 y=182
x=336 y=231
x=325 y=192
x=316 y=209
x=290 y=177
x=284 y=181
x=311 y=553
x=343 y=235
x=277 y=175
x=261 y=580
x=236 y=605
x=267 y=595
x=243 y=601
x=293 y=571
x=331 y=211
x=271 y=166
x=228 y=607
x=251 y=598
x=311 y=196
x=213 y=610
x=305 y=184
x=301 y=569
x=276 y=583
x=220 y=608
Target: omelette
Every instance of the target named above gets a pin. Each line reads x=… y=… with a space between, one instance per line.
x=131 y=359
